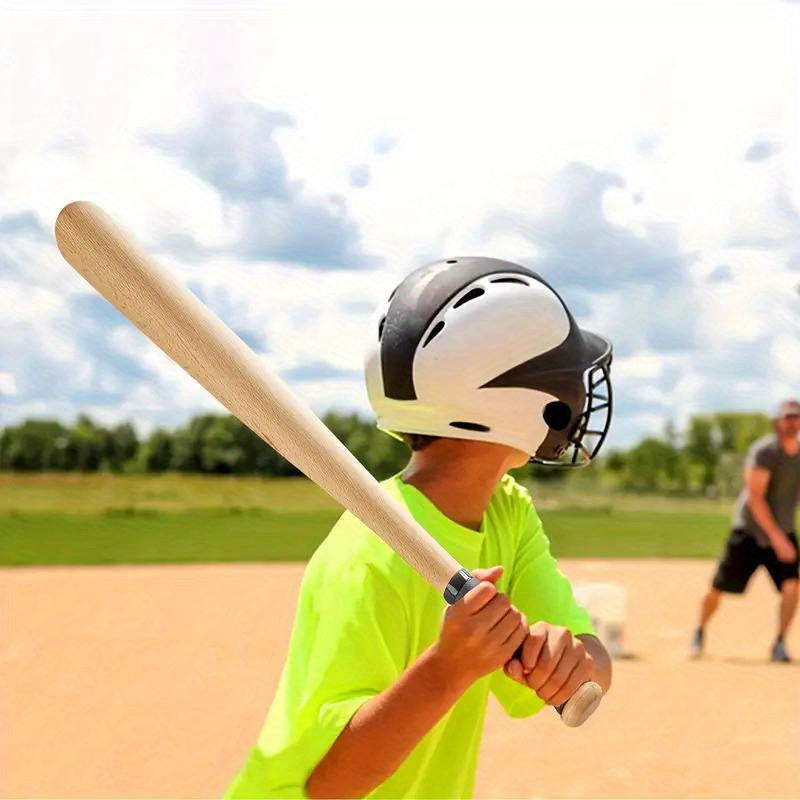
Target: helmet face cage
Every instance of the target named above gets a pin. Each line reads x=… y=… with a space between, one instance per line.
x=590 y=430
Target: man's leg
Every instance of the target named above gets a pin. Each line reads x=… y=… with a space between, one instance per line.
x=709 y=605
x=734 y=570
x=788 y=606
x=789 y=591
x=785 y=577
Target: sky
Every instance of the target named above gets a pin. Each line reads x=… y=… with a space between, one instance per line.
x=292 y=162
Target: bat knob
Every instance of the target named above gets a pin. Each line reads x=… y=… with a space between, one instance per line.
x=581 y=705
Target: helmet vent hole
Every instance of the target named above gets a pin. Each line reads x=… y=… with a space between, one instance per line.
x=509 y=280
x=557 y=415
x=437 y=329
x=470 y=426
x=452 y=261
x=380 y=328
x=470 y=295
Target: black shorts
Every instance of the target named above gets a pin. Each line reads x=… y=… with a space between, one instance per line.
x=743 y=556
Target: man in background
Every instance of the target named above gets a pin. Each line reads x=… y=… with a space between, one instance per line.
x=763 y=527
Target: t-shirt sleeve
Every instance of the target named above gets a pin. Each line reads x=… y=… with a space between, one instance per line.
x=354 y=654
x=763 y=455
x=539 y=588
x=340 y=655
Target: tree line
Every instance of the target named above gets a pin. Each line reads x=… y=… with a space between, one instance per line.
x=210 y=443
x=705 y=457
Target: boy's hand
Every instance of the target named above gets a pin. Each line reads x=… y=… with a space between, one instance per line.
x=553 y=663
x=480 y=633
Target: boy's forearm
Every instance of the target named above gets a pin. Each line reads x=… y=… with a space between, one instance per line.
x=601 y=658
x=385 y=730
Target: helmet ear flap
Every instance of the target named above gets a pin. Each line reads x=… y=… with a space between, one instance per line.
x=557 y=415
x=562 y=416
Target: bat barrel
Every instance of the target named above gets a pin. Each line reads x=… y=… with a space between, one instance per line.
x=198 y=341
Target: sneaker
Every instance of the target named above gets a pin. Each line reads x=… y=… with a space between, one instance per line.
x=696 y=648
x=779 y=653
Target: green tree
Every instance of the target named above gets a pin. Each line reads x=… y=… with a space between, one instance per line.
x=616 y=461
x=33 y=445
x=381 y=454
x=729 y=474
x=703 y=447
x=650 y=466
x=122 y=445
x=221 y=450
x=187 y=443
x=712 y=440
x=739 y=429
x=86 y=446
x=342 y=425
x=223 y=444
x=155 y=454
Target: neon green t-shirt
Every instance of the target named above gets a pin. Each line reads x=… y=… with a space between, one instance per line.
x=364 y=616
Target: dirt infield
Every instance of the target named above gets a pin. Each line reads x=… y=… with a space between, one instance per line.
x=153 y=682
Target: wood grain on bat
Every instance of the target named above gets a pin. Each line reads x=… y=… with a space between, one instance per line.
x=196 y=339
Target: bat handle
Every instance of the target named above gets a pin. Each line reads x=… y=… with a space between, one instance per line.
x=581 y=705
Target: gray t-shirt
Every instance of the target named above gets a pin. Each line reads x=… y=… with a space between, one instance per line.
x=782 y=490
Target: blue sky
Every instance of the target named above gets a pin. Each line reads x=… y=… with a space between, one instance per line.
x=293 y=161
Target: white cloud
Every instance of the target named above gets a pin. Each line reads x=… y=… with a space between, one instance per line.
x=647 y=366
x=485 y=103
x=8 y=385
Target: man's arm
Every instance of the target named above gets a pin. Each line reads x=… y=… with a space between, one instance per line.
x=757 y=481
x=479 y=634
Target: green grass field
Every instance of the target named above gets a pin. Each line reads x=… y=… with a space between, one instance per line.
x=105 y=519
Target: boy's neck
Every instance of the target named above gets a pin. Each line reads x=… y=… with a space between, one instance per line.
x=461 y=485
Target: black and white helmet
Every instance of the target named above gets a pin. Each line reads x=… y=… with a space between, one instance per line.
x=478 y=348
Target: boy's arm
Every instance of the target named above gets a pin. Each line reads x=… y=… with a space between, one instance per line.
x=385 y=730
x=479 y=634
x=555 y=663
x=560 y=652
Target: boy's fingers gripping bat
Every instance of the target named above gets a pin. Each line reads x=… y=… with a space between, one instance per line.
x=192 y=336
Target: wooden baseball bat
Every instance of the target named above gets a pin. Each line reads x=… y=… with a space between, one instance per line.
x=196 y=339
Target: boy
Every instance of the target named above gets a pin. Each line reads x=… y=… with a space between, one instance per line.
x=478 y=365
